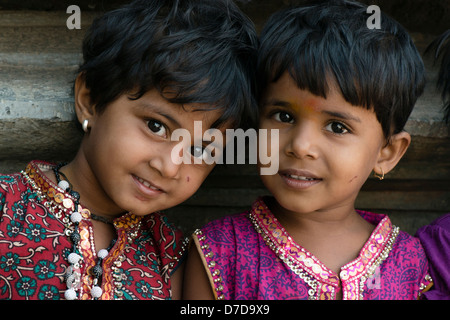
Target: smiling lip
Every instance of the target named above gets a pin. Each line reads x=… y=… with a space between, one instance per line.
x=147 y=188
x=299 y=179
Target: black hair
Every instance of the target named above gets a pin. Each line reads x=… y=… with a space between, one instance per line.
x=327 y=43
x=442 y=47
x=191 y=51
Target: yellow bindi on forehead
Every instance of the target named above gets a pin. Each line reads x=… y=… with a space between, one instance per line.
x=309 y=106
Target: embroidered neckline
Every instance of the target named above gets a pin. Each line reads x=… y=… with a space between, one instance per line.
x=325 y=283
x=60 y=203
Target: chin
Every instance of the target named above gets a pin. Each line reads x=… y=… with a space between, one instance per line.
x=294 y=204
x=146 y=210
x=137 y=208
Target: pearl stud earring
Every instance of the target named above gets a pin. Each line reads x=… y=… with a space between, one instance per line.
x=85 y=125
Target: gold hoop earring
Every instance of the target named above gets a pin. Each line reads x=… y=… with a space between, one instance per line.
x=380 y=177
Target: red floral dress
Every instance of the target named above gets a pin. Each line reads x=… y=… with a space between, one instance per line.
x=34 y=245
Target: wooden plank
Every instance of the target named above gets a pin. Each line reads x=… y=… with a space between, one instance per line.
x=399 y=200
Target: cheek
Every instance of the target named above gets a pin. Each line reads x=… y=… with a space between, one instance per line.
x=194 y=177
x=355 y=169
x=264 y=123
x=269 y=182
x=113 y=137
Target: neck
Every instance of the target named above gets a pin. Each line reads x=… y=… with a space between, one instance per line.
x=334 y=237
x=337 y=222
x=92 y=195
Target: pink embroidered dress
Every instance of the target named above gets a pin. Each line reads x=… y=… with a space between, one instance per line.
x=251 y=256
x=34 y=245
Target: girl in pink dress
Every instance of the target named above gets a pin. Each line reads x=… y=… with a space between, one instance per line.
x=339 y=93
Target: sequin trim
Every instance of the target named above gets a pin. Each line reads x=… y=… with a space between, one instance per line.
x=324 y=283
x=214 y=273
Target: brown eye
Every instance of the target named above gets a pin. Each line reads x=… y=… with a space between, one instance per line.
x=197 y=151
x=337 y=128
x=283 y=117
x=157 y=128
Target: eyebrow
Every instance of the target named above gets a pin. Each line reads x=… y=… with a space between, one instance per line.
x=336 y=114
x=276 y=102
x=341 y=115
x=145 y=106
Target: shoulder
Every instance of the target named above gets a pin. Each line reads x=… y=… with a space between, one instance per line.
x=405 y=251
x=225 y=238
x=409 y=260
x=15 y=183
x=167 y=239
x=408 y=250
x=406 y=242
x=13 y=189
x=402 y=243
x=230 y=220
x=221 y=243
x=9 y=178
x=226 y=229
x=412 y=263
x=438 y=230
x=403 y=261
x=159 y=225
x=8 y=181
x=435 y=237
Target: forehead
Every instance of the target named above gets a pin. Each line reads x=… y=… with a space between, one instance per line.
x=181 y=115
x=285 y=93
x=285 y=90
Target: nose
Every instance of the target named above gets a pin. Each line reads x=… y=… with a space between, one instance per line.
x=303 y=142
x=162 y=162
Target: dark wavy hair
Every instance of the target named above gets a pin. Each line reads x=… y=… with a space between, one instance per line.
x=441 y=45
x=191 y=51
x=325 y=43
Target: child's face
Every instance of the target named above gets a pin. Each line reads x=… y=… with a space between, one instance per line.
x=129 y=151
x=327 y=147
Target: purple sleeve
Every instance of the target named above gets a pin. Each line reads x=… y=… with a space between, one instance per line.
x=435 y=239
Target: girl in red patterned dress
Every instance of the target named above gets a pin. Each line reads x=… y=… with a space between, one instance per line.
x=339 y=95
x=90 y=228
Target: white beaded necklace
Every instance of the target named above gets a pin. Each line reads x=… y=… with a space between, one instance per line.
x=73 y=273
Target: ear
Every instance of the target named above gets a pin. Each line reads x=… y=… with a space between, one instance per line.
x=83 y=107
x=391 y=154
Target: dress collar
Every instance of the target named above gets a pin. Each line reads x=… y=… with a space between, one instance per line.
x=62 y=204
x=298 y=257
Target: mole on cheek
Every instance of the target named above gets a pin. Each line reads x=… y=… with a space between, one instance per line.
x=187 y=179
